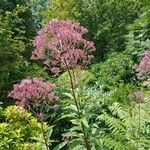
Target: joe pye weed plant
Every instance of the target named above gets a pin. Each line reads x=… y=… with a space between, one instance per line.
x=62 y=47
x=36 y=96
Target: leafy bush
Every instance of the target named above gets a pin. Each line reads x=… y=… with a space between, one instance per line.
x=61 y=9
x=19 y=130
x=37 y=7
x=116 y=69
x=126 y=127
x=121 y=94
x=138 y=39
x=82 y=78
x=16 y=31
x=116 y=125
x=106 y=21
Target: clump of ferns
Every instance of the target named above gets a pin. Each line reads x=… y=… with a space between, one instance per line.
x=126 y=127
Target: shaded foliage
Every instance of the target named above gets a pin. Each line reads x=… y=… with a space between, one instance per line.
x=105 y=20
x=15 y=44
x=138 y=38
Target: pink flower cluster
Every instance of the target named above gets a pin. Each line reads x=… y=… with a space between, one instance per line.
x=33 y=92
x=137 y=96
x=61 y=44
x=144 y=66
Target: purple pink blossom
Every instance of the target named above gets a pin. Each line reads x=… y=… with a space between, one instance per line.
x=34 y=94
x=138 y=96
x=143 y=68
x=60 y=44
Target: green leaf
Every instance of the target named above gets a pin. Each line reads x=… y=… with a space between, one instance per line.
x=43 y=147
x=69 y=95
x=49 y=132
x=76 y=128
x=70 y=115
x=85 y=123
x=72 y=107
x=93 y=148
x=79 y=147
x=76 y=122
x=61 y=145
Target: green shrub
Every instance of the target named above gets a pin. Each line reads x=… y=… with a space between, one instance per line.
x=19 y=130
x=106 y=21
x=108 y=120
x=16 y=32
x=61 y=9
x=138 y=39
x=116 y=69
x=82 y=78
x=121 y=94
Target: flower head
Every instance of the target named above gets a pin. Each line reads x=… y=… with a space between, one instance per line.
x=61 y=44
x=33 y=92
x=137 y=96
x=143 y=68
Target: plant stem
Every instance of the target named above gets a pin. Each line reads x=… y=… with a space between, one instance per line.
x=139 y=125
x=73 y=92
x=45 y=140
x=42 y=129
x=74 y=78
x=88 y=147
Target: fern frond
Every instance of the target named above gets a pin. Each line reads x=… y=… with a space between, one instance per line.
x=115 y=145
x=118 y=110
x=114 y=124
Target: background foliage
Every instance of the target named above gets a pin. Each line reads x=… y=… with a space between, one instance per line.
x=16 y=28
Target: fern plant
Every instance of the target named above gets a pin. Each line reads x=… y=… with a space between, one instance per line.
x=138 y=39
x=126 y=127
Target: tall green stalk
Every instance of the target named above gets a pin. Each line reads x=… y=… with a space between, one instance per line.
x=86 y=141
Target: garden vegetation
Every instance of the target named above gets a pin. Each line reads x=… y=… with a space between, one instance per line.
x=75 y=75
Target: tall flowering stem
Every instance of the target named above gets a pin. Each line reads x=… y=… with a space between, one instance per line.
x=34 y=95
x=139 y=98
x=61 y=46
x=77 y=103
x=143 y=69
